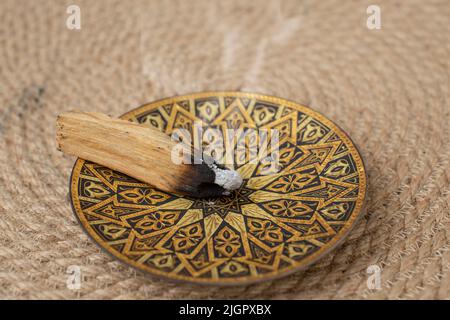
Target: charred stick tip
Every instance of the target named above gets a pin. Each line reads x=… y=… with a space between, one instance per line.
x=210 y=179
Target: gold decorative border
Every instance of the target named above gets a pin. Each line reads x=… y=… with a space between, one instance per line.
x=332 y=244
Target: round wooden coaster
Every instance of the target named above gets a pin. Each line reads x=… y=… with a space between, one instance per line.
x=275 y=224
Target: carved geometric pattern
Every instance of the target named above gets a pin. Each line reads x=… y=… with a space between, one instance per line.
x=279 y=220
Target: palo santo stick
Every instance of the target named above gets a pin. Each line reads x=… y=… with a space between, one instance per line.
x=140 y=152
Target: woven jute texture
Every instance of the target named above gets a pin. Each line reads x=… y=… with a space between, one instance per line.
x=388 y=88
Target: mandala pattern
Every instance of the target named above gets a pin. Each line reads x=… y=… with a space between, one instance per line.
x=277 y=222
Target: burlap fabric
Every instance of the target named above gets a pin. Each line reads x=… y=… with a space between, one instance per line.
x=388 y=88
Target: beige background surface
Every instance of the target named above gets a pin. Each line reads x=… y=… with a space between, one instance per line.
x=389 y=89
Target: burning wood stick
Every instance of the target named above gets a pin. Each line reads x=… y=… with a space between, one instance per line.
x=142 y=153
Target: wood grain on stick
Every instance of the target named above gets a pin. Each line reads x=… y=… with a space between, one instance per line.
x=134 y=149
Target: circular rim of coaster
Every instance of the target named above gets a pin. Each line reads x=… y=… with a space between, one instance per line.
x=340 y=236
